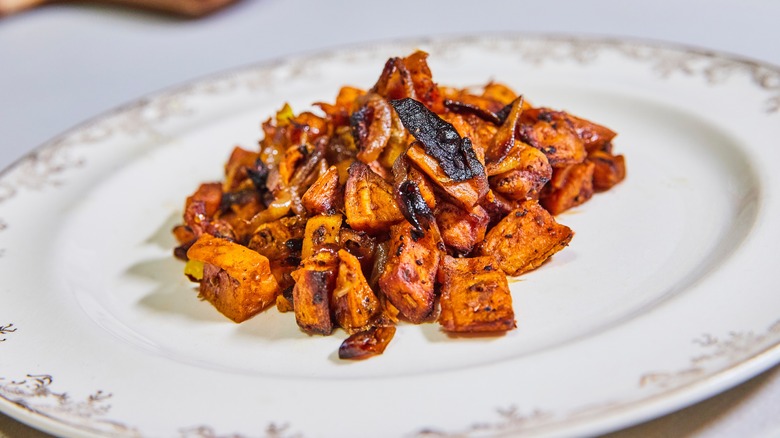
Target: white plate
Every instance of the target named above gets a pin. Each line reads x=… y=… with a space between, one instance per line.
x=664 y=297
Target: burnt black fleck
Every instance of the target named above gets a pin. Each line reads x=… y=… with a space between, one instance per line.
x=441 y=141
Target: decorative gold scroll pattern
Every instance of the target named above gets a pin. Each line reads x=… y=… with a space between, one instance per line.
x=271 y=431
x=34 y=394
x=733 y=348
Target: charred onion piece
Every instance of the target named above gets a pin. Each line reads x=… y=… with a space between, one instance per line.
x=366 y=344
x=470 y=108
x=371 y=127
x=504 y=140
x=409 y=197
x=441 y=141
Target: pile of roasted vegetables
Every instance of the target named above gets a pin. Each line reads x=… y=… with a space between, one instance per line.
x=406 y=202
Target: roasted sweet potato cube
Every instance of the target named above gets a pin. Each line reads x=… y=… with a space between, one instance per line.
x=281 y=242
x=360 y=245
x=314 y=283
x=369 y=202
x=525 y=239
x=552 y=133
x=211 y=196
x=497 y=206
x=410 y=271
x=569 y=187
x=461 y=229
x=608 y=170
x=325 y=195
x=321 y=230
x=466 y=193
x=236 y=280
x=475 y=296
x=280 y=238
x=594 y=136
x=528 y=174
x=236 y=168
x=354 y=304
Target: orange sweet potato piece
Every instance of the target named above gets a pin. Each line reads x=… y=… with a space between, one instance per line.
x=461 y=229
x=569 y=187
x=409 y=274
x=475 y=296
x=314 y=283
x=552 y=133
x=525 y=239
x=369 y=202
x=522 y=174
x=281 y=242
x=237 y=281
x=608 y=170
x=321 y=230
x=325 y=195
x=354 y=304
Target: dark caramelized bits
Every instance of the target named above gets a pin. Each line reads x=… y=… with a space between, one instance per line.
x=441 y=141
x=366 y=344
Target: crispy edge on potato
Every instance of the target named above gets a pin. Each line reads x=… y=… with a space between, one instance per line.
x=314 y=283
x=525 y=238
x=409 y=274
x=569 y=187
x=280 y=241
x=242 y=286
x=608 y=169
x=528 y=172
x=354 y=304
x=324 y=196
x=320 y=230
x=467 y=193
x=475 y=296
x=552 y=133
x=461 y=229
x=369 y=202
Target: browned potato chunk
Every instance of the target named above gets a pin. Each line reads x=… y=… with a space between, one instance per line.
x=475 y=296
x=236 y=167
x=608 y=170
x=497 y=206
x=369 y=202
x=360 y=245
x=354 y=304
x=324 y=196
x=281 y=242
x=314 y=283
x=410 y=271
x=461 y=229
x=236 y=280
x=525 y=239
x=569 y=187
x=529 y=172
x=320 y=231
x=552 y=133
x=594 y=136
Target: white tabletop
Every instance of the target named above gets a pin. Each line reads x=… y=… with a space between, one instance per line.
x=63 y=64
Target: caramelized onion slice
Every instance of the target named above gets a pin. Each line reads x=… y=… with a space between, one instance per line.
x=366 y=344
